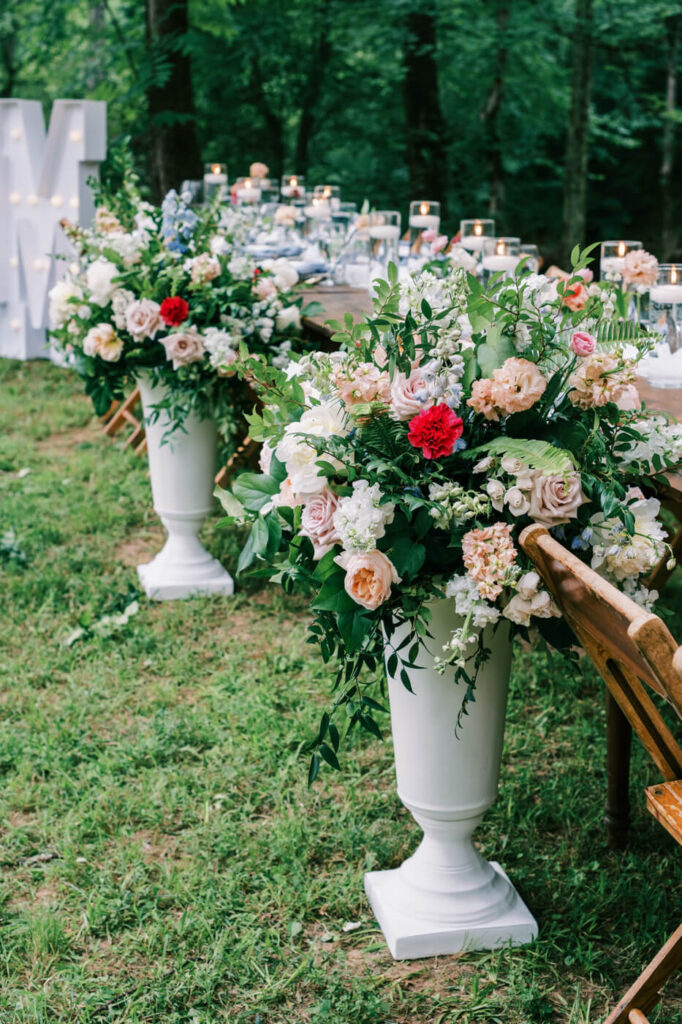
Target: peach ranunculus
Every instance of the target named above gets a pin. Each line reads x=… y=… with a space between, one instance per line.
x=488 y=555
x=103 y=341
x=575 y=296
x=555 y=499
x=369 y=576
x=362 y=383
x=599 y=379
x=409 y=395
x=482 y=399
x=640 y=268
x=142 y=319
x=517 y=385
x=258 y=170
x=184 y=346
x=317 y=522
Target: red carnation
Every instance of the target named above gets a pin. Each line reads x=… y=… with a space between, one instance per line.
x=435 y=431
x=174 y=310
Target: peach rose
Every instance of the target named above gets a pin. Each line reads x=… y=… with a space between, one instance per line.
x=369 y=575
x=142 y=319
x=409 y=395
x=258 y=170
x=102 y=341
x=517 y=385
x=640 y=268
x=184 y=347
x=555 y=499
x=575 y=296
x=317 y=522
x=482 y=399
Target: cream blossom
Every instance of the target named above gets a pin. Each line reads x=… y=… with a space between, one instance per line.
x=106 y=222
x=362 y=383
x=265 y=288
x=284 y=274
x=299 y=457
x=285 y=216
x=103 y=341
x=361 y=518
x=184 y=346
x=61 y=306
x=517 y=501
x=495 y=491
x=203 y=268
x=620 y=554
x=369 y=577
x=288 y=317
x=142 y=319
x=599 y=379
x=518 y=384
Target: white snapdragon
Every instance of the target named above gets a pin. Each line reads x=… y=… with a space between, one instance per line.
x=361 y=519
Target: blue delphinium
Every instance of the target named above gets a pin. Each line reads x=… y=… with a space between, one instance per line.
x=178 y=223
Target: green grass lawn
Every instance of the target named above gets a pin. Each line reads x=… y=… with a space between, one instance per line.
x=161 y=856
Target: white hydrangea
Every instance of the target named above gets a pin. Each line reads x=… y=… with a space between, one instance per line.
x=361 y=519
x=221 y=346
x=241 y=267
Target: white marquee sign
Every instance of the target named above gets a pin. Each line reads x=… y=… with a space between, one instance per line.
x=42 y=180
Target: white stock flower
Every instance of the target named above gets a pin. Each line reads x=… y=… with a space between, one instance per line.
x=361 y=520
x=99 y=278
x=468 y=599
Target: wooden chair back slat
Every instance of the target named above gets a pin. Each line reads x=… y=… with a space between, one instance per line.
x=628 y=645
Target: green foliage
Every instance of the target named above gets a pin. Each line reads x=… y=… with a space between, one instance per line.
x=541 y=455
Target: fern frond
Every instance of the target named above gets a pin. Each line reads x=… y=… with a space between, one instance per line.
x=618 y=331
x=541 y=455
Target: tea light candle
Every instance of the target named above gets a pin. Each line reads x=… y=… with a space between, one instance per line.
x=385 y=231
x=474 y=243
x=500 y=255
x=499 y=261
x=247 y=193
x=668 y=294
x=215 y=176
x=292 y=187
x=613 y=257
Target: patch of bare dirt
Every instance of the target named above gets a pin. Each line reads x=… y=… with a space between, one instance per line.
x=137 y=549
x=65 y=441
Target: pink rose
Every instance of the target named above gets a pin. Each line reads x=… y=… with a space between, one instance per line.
x=583 y=344
x=317 y=522
x=555 y=499
x=369 y=575
x=265 y=288
x=142 y=319
x=409 y=395
x=184 y=347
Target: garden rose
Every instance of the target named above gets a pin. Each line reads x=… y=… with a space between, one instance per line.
x=142 y=319
x=555 y=499
x=409 y=395
x=317 y=522
x=184 y=347
x=61 y=308
x=436 y=431
x=369 y=576
x=174 y=310
x=102 y=341
x=640 y=268
x=517 y=385
x=100 y=279
x=284 y=275
x=575 y=296
x=583 y=344
x=258 y=170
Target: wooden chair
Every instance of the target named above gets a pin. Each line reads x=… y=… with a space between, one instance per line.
x=632 y=650
x=123 y=414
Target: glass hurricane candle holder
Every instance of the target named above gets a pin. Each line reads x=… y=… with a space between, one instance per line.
x=474 y=232
x=613 y=254
x=424 y=217
x=663 y=368
x=215 y=181
x=247 y=191
x=317 y=212
x=330 y=194
x=532 y=257
x=292 y=187
x=500 y=255
x=384 y=237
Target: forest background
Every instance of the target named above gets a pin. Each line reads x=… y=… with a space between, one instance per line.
x=557 y=117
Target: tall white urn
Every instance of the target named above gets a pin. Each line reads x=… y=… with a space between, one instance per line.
x=446 y=898
x=182 y=470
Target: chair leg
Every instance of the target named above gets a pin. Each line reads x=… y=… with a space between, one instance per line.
x=646 y=991
x=618 y=745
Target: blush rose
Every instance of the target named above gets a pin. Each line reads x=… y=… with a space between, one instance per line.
x=369 y=576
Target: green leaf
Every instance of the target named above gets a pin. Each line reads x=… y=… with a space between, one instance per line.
x=536 y=454
x=256 y=544
x=493 y=352
x=254 y=490
x=232 y=506
x=407 y=556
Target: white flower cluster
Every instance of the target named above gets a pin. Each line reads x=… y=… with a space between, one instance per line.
x=222 y=346
x=457 y=505
x=529 y=600
x=361 y=519
x=469 y=601
x=657 y=437
x=620 y=555
x=299 y=457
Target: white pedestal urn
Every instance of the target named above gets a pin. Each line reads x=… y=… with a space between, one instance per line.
x=182 y=470
x=446 y=898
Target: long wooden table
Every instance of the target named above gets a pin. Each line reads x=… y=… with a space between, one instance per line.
x=337 y=302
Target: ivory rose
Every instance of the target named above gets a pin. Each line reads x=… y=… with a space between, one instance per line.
x=142 y=319
x=102 y=341
x=369 y=576
x=555 y=499
x=184 y=347
x=409 y=395
x=317 y=522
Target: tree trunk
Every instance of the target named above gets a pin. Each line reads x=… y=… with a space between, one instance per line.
x=425 y=129
x=174 y=149
x=275 y=124
x=490 y=116
x=668 y=246
x=577 y=141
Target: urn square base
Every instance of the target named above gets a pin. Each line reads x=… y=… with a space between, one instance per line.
x=161 y=584
x=410 y=937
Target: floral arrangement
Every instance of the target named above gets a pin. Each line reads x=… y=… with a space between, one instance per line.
x=403 y=467
x=168 y=291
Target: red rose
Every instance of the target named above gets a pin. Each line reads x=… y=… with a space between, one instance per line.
x=435 y=431
x=174 y=310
